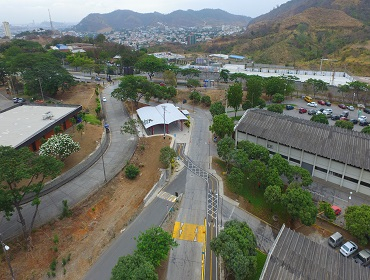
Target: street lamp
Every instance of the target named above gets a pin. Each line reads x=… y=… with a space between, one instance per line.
x=5 y=249
x=350 y=197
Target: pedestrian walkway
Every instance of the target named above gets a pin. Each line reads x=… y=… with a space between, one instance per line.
x=120 y=150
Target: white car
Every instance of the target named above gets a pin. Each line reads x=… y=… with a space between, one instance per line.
x=312 y=104
x=362 y=118
x=348 y=248
x=328 y=110
x=351 y=108
x=104 y=99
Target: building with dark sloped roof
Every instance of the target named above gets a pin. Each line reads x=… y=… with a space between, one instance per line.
x=295 y=257
x=336 y=155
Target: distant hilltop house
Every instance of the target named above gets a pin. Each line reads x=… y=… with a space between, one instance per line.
x=169 y=56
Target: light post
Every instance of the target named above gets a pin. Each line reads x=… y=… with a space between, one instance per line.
x=164 y=122
x=350 y=197
x=353 y=100
x=5 y=249
x=42 y=93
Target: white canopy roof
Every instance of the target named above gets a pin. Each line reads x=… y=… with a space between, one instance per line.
x=151 y=116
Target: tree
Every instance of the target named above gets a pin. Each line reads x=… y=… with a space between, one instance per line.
x=277 y=108
x=320 y=119
x=217 y=109
x=195 y=97
x=236 y=244
x=235 y=95
x=357 y=222
x=344 y=124
x=240 y=159
x=278 y=98
x=169 y=78
x=256 y=170
x=193 y=83
x=133 y=267
x=328 y=211
x=133 y=88
x=222 y=126
x=224 y=74
x=151 y=65
x=254 y=151
x=281 y=165
x=130 y=127
x=317 y=85
x=300 y=175
x=59 y=146
x=272 y=178
x=23 y=173
x=366 y=130
x=190 y=73
x=254 y=87
x=299 y=205
x=166 y=156
x=225 y=148
x=236 y=180
x=272 y=195
x=80 y=128
x=274 y=85
x=131 y=171
x=154 y=244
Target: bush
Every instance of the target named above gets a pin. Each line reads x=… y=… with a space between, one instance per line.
x=131 y=171
x=277 y=108
x=277 y=98
x=206 y=100
x=166 y=156
x=66 y=211
x=328 y=211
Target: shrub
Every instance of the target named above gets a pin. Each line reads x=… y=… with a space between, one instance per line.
x=206 y=100
x=277 y=98
x=131 y=171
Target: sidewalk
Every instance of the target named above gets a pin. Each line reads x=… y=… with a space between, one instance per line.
x=120 y=150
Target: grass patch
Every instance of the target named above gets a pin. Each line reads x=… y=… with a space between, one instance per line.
x=92 y=119
x=261 y=259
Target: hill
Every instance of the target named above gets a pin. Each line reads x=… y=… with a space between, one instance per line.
x=126 y=19
x=301 y=32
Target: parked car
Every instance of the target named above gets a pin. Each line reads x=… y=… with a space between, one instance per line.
x=321 y=102
x=302 y=110
x=104 y=99
x=321 y=109
x=335 y=117
x=342 y=106
x=335 y=240
x=362 y=118
x=18 y=100
x=308 y=98
x=328 y=103
x=367 y=110
x=337 y=209
x=289 y=107
x=327 y=114
x=351 y=108
x=312 y=112
x=354 y=121
x=312 y=104
x=319 y=113
x=328 y=110
x=345 y=114
x=363 y=123
x=348 y=248
x=363 y=258
x=344 y=119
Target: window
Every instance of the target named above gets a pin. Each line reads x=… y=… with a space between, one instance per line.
x=335 y=174
x=284 y=156
x=350 y=179
x=365 y=184
x=295 y=160
x=272 y=153
x=321 y=169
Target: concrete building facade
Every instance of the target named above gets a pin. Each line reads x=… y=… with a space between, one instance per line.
x=333 y=154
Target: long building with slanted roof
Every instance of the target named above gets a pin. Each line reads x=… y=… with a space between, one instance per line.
x=334 y=154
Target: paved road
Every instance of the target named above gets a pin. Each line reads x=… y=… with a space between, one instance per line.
x=120 y=150
x=125 y=244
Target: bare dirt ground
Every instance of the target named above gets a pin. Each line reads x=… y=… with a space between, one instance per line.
x=96 y=221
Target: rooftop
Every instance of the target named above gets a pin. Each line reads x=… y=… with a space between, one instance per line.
x=332 y=142
x=21 y=123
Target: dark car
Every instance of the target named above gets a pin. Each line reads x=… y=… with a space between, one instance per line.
x=321 y=109
x=302 y=110
x=327 y=103
x=367 y=110
x=342 y=106
x=363 y=123
x=354 y=121
x=321 y=102
x=312 y=112
x=363 y=258
x=289 y=107
x=335 y=117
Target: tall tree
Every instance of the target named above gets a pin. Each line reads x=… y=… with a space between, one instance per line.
x=224 y=75
x=222 y=126
x=225 y=148
x=217 y=109
x=155 y=244
x=272 y=195
x=23 y=172
x=357 y=222
x=235 y=96
x=133 y=267
x=254 y=88
x=317 y=85
x=236 y=244
x=151 y=65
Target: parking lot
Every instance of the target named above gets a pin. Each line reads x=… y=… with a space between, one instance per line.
x=299 y=102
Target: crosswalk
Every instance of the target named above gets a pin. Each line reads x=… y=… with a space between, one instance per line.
x=167 y=196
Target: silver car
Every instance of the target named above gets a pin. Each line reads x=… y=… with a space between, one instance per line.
x=348 y=248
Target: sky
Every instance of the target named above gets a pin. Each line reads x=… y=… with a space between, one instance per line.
x=73 y=11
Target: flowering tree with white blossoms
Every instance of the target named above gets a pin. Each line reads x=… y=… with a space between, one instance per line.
x=59 y=146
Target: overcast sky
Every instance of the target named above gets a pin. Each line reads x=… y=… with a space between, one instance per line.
x=73 y=11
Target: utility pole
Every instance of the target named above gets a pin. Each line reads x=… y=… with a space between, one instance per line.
x=164 y=122
x=5 y=249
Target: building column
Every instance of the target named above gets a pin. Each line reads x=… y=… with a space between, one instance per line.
x=327 y=173
x=152 y=130
x=314 y=165
x=181 y=125
x=359 y=180
x=344 y=172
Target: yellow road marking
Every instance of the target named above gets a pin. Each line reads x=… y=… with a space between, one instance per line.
x=189 y=232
